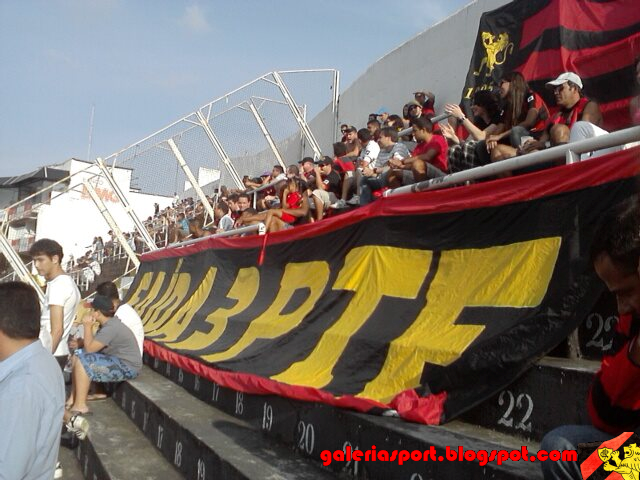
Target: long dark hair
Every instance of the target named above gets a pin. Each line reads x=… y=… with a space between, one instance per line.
x=518 y=89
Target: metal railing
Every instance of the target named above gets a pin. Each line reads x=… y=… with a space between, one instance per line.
x=258 y=228
x=280 y=178
x=569 y=152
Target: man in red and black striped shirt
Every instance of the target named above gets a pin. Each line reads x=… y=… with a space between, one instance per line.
x=614 y=398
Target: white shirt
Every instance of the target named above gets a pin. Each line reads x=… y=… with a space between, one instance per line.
x=129 y=317
x=226 y=223
x=370 y=152
x=61 y=291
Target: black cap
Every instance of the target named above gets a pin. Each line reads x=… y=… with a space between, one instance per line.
x=101 y=303
x=325 y=161
x=306 y=159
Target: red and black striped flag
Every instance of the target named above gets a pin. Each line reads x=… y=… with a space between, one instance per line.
x=597 y=39
x=618 y=458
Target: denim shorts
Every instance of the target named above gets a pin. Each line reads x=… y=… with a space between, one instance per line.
x=105 y=368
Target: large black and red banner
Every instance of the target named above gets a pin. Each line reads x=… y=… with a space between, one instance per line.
x=597 y=39
x=426 y=303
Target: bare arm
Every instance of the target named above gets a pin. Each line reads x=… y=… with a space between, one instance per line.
x=474 y=131
x=56 y=316
x=91 y=345
x=592 y=113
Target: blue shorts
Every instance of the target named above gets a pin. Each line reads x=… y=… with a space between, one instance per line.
x=105 y=368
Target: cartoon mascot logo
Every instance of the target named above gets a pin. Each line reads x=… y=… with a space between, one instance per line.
x=497 y=48
x=628 y=468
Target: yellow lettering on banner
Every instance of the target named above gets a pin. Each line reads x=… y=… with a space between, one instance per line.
x=516 y=275
x=164 y=309
x=153 y=294
x=272 y=324
x=143 y=285
x=154 y=291
x=371 y=272
x=243 y=291
x=181 y=318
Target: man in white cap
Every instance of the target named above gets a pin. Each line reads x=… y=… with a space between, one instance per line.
x=578 y=116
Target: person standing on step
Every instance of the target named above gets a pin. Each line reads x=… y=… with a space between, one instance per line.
x=614 y=398
x=62 y=298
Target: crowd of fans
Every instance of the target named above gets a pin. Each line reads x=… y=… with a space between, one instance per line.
x=395 y=150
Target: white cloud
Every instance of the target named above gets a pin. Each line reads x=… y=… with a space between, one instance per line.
x=195 y=20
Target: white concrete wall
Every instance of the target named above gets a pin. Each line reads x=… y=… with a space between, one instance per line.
x=436 y=60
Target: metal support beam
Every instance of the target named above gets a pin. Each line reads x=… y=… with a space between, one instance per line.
x=112 y=224
x=194 y=183
x=296 y=114
x=138 y=225
x=218 y=147
x=335 y=104
x=18 y=267
x=266 y=133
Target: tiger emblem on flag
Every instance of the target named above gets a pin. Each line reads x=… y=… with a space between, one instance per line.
x=497 y=48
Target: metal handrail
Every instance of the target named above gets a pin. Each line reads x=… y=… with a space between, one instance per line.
x=259 y=228
x=567 y=151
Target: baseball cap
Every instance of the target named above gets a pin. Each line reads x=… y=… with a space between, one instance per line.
x=101 y=303
x=306 y=159
x=325 y=161
x=414 y=103
x=382 y=110
x=564 y=78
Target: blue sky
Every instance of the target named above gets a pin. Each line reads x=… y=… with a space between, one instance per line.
x=143 y=64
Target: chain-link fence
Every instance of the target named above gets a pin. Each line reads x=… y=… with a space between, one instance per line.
x=243 y=133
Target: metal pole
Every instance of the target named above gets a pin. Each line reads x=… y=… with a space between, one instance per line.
x=139 y=226
x=296 y=114
x=194 y=183
x=18 y=267
x=218 y=147
x=112 y=224
x=258 y=228
x=335 y=103
x=266 y=134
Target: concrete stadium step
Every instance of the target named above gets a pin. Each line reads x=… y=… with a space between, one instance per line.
x=116 y=450
x=203 y=442
x=552 y=393
x=312 y=428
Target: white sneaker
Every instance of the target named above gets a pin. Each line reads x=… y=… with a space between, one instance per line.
x=355 y=200
x=58 y=471
x=339 y=204
x=79 y=426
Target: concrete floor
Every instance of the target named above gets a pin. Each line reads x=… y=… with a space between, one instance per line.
x=70 y=465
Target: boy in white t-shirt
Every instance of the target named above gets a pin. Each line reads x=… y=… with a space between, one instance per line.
x=62 y=298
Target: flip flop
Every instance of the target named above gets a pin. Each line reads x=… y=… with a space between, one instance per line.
x=88 y=413
x=96 y=396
